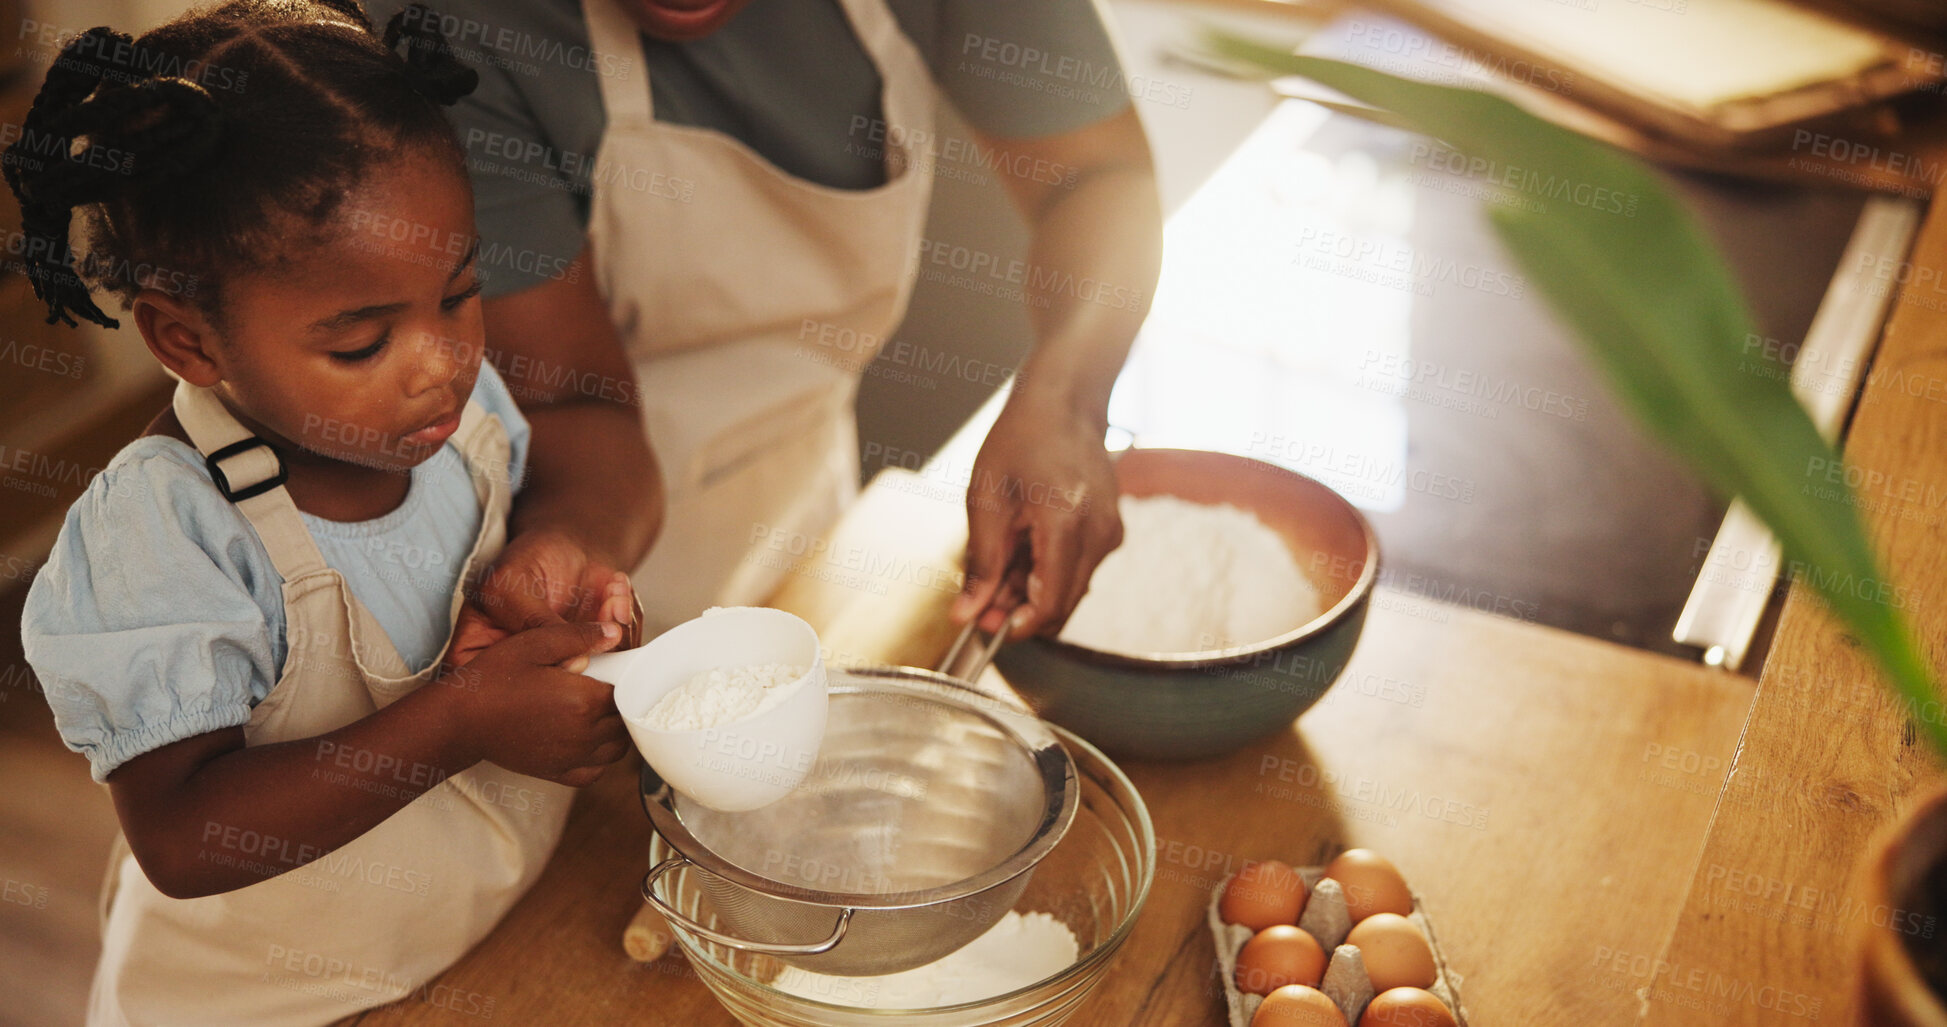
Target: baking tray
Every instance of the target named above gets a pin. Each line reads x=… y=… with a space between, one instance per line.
x=1489 y=33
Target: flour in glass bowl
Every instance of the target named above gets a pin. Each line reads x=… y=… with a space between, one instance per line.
x=724 y=695
x=1021 y=949
x=1190 y=577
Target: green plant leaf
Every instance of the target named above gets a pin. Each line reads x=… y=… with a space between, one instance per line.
x=1644 y=288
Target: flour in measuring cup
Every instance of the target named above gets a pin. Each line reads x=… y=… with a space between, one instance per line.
x=723 y=695
x=1022 y=949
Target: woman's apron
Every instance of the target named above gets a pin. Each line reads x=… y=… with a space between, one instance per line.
x=750 y=302
x=373 y=920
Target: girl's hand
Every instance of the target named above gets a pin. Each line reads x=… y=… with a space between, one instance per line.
x=1042 y=487
x=542 y=577
x=522 y=703
x=473 y=632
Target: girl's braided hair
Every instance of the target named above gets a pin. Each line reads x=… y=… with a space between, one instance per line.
x=206 y=144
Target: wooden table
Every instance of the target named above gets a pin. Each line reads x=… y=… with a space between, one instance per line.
x=1545 y=793
x=1767 y=931
x=1602 y=836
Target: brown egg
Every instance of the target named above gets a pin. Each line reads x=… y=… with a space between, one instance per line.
x=1296 y=1005
x=1279 y=956
x=1263 y=895
x=1372 y=884
x=1405 y=1007
x=1395 y=952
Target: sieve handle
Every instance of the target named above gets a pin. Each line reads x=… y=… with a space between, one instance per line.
x=1021 y=560
x=671 y=914
x=986 y=653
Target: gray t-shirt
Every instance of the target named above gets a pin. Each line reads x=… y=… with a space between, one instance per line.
x=786 y=77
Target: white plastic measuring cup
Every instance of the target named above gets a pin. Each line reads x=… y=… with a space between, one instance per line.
x=744 y=764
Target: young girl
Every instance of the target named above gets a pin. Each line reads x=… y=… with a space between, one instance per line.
x=243 y=620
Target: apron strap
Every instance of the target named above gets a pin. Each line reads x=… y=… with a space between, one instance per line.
x=880 y=34
x=612 y=35
x=910 y=109
x=482 y=442
x=483 y=445
x=251 y=475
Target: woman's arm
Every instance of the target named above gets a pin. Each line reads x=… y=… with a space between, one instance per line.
x=590 y=472
x=592 y=502
x=1043 y=481
x=207 y=815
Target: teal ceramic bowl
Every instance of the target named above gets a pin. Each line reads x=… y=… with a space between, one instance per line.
x=1193 y=705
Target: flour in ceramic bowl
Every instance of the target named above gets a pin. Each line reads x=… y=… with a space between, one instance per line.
x=1021 y=949
x=723 y=695
x=1190 y=577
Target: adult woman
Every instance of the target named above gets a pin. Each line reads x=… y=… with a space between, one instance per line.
x=676 y=194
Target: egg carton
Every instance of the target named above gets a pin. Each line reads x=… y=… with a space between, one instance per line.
x=1327 y=920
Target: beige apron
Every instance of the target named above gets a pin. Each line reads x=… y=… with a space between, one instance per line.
x=373 y=920
x=750 y=301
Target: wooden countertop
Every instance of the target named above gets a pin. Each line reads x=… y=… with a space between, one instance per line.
x=1545 y=793
x=1828 y=760
x=1599 y=834
x=1602 y=836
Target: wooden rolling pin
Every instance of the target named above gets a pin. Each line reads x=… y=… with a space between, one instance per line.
x=648 y=936
x=894 y=609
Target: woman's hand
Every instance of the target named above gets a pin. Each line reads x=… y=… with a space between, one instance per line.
x=593 y=496
x=1042 y=488
x=542 y=577
x=1043 y=484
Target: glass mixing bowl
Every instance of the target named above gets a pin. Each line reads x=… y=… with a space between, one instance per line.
x=1095 y=881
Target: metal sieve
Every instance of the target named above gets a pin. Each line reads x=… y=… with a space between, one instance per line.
x=913 y=833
